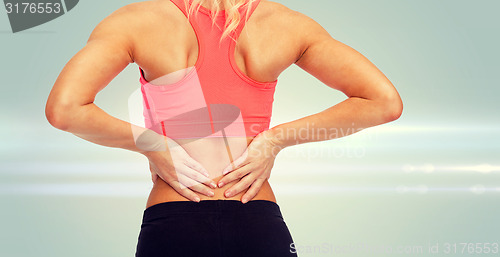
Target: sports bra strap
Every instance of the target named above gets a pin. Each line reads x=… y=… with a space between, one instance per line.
x=182 y=5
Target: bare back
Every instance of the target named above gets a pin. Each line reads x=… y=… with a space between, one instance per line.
x=167 y=43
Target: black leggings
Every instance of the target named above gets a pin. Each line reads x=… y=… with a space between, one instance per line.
x=214 y=228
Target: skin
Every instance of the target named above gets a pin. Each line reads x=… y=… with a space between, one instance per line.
x=156 y=36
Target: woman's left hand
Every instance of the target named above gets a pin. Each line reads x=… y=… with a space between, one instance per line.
x=253 y=167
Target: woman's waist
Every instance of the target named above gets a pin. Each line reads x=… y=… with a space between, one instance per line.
x=215 y=154
x=163 y=192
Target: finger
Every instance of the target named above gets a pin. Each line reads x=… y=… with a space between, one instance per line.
x=234 y=175
x=184 y=191
x=154 y=175
x=236 y=163
x=195 y=175
x=253 y=190
x=195 y=186
x=243 y=184
x=192 y=163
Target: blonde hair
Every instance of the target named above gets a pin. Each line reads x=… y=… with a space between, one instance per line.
x=232 y=14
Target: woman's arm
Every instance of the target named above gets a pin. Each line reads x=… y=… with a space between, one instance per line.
x=372 y=100
x=70 y=105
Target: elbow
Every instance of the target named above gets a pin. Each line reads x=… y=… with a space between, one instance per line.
x=395 y=112
x=56 y=115
x=392 y=108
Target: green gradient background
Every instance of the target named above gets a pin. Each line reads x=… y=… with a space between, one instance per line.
x=63 y=196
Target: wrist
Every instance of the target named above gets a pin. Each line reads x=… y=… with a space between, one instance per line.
x=149 y=142
x=276 y=138
x=148 y=154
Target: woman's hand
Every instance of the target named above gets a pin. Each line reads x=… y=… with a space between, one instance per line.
x=253 y=167
x=180 y=171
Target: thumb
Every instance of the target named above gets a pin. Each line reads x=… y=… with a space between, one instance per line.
x=154 y=177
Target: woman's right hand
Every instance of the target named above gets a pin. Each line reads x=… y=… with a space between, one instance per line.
x=184 y=174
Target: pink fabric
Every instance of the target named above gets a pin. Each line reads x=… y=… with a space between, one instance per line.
x=215 y=98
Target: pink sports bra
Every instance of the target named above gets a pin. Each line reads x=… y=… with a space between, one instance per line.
x=214 y=98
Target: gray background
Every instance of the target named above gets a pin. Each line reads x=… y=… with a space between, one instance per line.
x=429 y=178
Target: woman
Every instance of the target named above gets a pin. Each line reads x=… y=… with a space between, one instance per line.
x=211 y=195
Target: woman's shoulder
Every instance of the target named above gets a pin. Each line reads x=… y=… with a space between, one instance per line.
x=144 y=11
x=283 y=18
x=130 y=15
x=136 y=19
x=277 y=10
x=149 y=12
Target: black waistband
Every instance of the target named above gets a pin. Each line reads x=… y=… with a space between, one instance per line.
x=210 y=206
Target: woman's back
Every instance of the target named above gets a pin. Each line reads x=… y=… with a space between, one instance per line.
x=164 y=42
x=166 y=48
